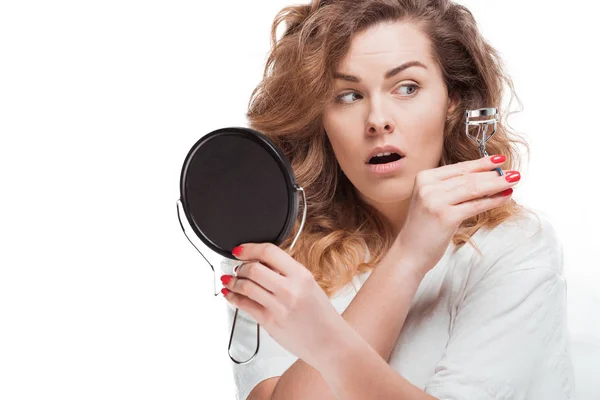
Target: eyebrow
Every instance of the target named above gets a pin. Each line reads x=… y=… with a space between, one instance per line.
x=388 y=75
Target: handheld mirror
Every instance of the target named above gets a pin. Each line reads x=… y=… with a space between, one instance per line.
x=237 y=187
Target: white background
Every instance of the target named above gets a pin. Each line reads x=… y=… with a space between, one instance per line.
x=101 y=294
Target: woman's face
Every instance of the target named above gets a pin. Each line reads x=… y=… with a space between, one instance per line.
x=406 y=110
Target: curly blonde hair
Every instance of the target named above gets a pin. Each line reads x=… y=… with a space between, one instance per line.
x=296 y=86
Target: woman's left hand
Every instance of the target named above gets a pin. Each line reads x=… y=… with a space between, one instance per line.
x=283 y=297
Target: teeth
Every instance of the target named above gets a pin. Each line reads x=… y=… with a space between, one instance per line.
x=382 y=154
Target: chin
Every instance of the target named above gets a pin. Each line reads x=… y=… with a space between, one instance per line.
x=386 y=192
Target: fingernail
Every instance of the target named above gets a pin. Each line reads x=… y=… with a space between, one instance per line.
x=513 y=176
x=225 y=279
x=237 y=251
x=498 y=159
x=224 y=291
x=506 y=192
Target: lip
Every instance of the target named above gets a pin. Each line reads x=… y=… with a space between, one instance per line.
x=385 y=169
x=384 y=149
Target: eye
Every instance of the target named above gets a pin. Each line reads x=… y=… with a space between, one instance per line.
x=339 y=98
x=413 y=88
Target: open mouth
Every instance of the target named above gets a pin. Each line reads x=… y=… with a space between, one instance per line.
x=385 y=159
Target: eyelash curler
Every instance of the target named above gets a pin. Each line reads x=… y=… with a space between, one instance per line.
x=485 y=118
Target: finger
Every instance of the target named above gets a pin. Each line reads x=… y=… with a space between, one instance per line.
x=473 y=207
x=252 y=290
x=474 y=185
x=269 y=255
x=465 y=167
x=248 y=305
x=262 y=275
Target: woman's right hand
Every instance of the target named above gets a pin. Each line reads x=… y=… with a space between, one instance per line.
x=443 y=198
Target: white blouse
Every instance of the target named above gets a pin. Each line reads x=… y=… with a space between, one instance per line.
x=479 y=327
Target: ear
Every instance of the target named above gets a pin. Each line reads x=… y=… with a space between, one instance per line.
x=453 y=102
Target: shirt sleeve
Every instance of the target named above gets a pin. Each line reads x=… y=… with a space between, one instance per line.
x=270 y=361
x=509 y=338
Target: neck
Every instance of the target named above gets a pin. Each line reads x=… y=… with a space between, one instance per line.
x=395 y=213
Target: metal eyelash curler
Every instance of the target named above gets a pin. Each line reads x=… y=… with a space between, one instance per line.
x=482 y=125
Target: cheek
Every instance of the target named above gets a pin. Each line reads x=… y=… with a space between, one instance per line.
x=424 y=144
x=428 y=120
x=339 y=132
x=344 y=153
x=427 y=134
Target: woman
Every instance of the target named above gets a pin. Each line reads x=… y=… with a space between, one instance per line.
x=416 y=275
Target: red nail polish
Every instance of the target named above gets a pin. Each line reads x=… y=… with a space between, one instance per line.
x=224 y=291
x=498 y=159
x=513 y=176
x=237 y=251
x=225 y=279
x=506 y=192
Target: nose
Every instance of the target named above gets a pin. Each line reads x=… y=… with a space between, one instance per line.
x=385 y=127
x=378 y=122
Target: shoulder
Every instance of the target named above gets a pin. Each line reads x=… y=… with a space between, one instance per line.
x=521 y=243
x=508 y=330
x=518 y=228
